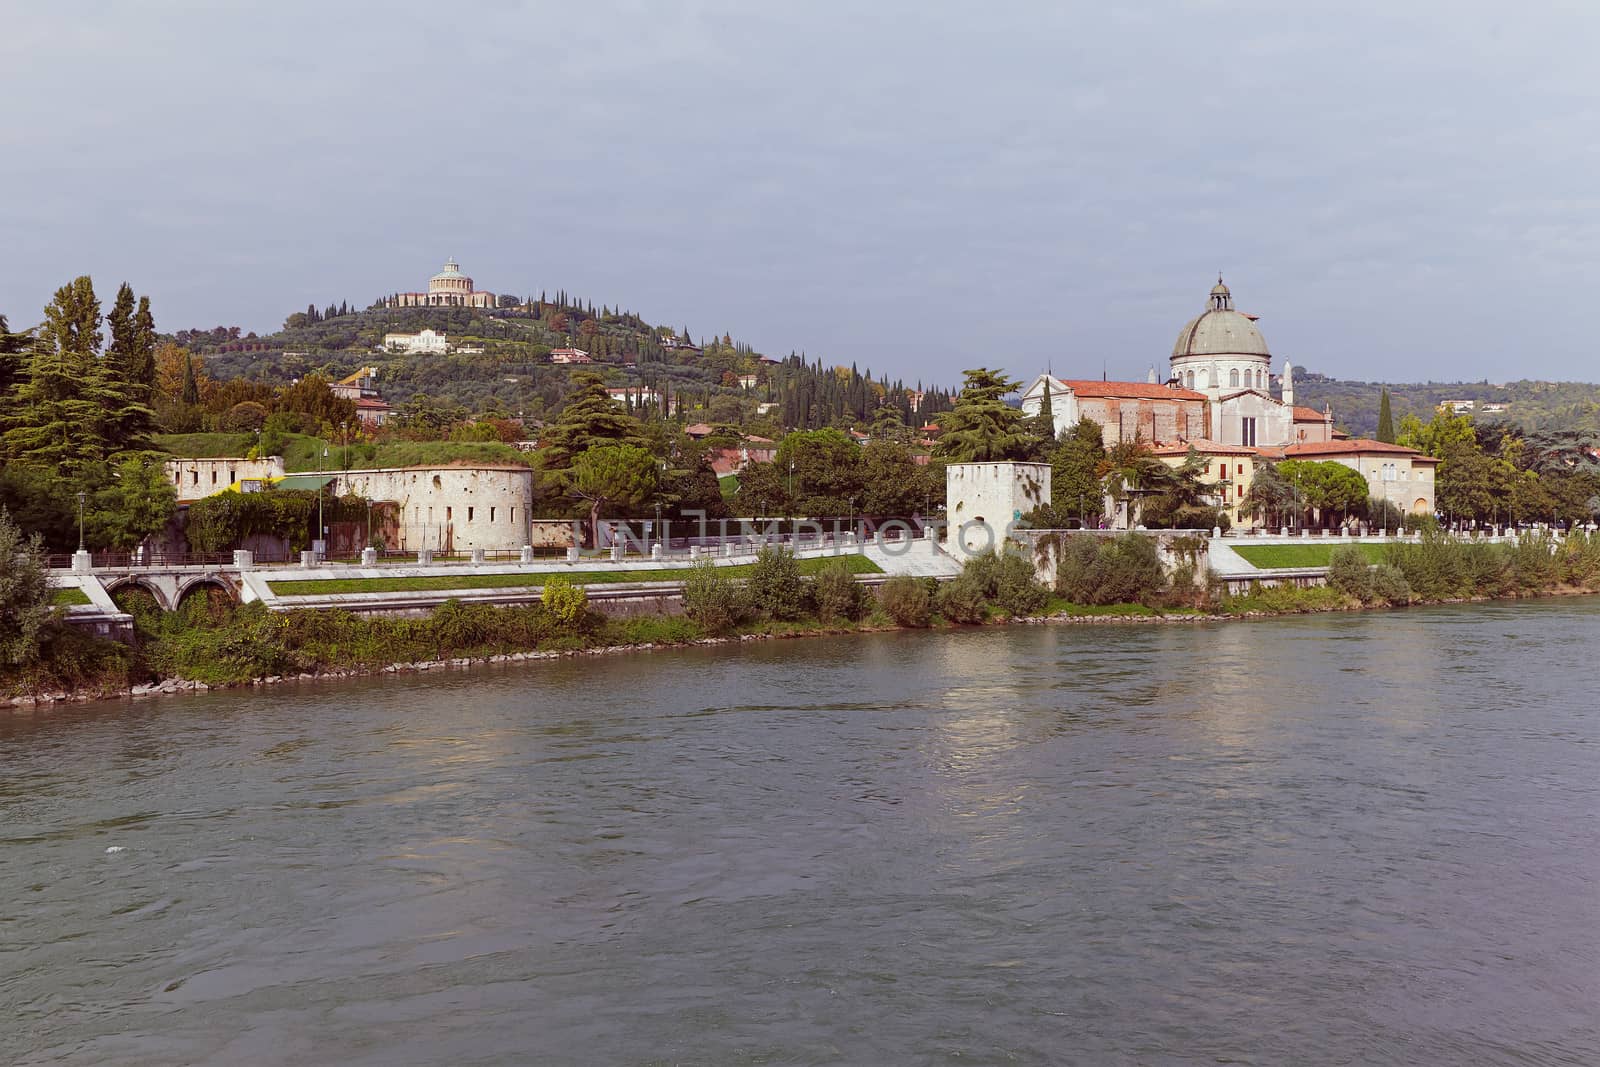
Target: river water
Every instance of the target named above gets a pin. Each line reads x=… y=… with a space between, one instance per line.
x=1364 y=839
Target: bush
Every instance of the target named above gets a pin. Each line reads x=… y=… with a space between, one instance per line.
x=1533 y=562
x=1126 y=570
x=962 y=599
x=1390 y=586
x=775 y=587
x=907 y=600
x=1017 y=590
x=1007 y=580
x=836 y=593
x=1351 y=574
x=714 y=600
x=25 y=594
x=566 y=603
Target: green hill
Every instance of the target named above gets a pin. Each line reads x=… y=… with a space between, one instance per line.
x=1532 y=405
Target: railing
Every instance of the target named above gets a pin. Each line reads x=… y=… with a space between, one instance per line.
x=119 y=560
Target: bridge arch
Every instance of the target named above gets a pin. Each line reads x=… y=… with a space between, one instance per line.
x=204 y=585
x=157 y=593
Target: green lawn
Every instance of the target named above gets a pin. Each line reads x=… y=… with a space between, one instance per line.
x=437 y=582
x=69 y=598
x=1315 y=555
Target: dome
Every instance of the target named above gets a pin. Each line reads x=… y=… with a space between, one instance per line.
x=452 y=269
x=1220 y=331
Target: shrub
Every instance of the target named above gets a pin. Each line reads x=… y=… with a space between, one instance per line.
x=1017 y=589
x=1077 y=577
x=566 y=603
x=25 y=594
x=1351 y=574
x=1129 y=571
x=775 y=587
x=836 y=593
x=1007 y=580
x=962 y=599
x=1533 y=562
x=907 y=600
x=712 y=599
x=1390 y=586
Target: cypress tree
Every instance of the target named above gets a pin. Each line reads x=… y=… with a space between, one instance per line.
x=128 y=420
x=191 y=386
x=1385 y=419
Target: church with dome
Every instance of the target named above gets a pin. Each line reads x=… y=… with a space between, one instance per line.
x=1219 y=387
x=1218 y=400
x=448 y=288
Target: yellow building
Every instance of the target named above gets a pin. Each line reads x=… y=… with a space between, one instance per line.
x=1228 y=471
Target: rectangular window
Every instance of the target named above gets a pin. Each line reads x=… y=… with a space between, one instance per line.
x=513 y=515
x=491 y=513
x=213 y=477
x=448 y=512
x=469 y=514
x=232 y=475
x=1247 y=435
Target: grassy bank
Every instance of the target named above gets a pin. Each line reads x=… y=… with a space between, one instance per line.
x=856 y=564
x=70 y=597
x=1275 y=556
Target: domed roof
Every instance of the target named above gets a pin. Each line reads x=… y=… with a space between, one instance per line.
x=452 y=269
x=1220 y=331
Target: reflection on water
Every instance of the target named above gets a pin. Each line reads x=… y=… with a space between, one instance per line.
x=1358 y=839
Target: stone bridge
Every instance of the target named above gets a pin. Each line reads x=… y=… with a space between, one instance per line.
x=170 y=586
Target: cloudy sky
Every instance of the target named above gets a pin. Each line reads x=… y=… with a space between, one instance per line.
x=1402 y=190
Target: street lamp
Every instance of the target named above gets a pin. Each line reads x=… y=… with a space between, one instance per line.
x=322 y=529
x=81 y=496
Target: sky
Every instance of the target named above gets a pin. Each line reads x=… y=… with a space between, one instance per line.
x=1403 y=191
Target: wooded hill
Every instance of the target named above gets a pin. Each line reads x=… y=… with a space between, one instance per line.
x=513 y=374
x=1531 y=405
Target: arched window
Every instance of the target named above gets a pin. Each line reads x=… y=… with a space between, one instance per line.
x=1259 y=383
x=1233 y=378
x=1190 y=381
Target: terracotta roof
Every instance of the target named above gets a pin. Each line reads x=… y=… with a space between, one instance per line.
x=1356 y=446
x=1203 y=446
x=1132 y=390
x=697 y=429
x=1305 y=414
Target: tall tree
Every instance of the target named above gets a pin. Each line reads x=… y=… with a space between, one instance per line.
x=12 y=347
x=617 y=475
x=982 y=427
x=129 y=419
x=1385 y=419
x=58 y=411
x=1075 y=488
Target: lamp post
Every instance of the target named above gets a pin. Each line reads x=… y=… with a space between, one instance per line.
x=322 y=529
x=81 y=497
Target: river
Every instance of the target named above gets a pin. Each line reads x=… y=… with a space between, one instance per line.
x=1338 y=839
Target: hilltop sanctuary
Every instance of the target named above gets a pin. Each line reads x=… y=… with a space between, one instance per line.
x=448 y=288
x=1218 y=400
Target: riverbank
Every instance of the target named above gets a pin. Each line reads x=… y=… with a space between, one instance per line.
x=673 y=632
